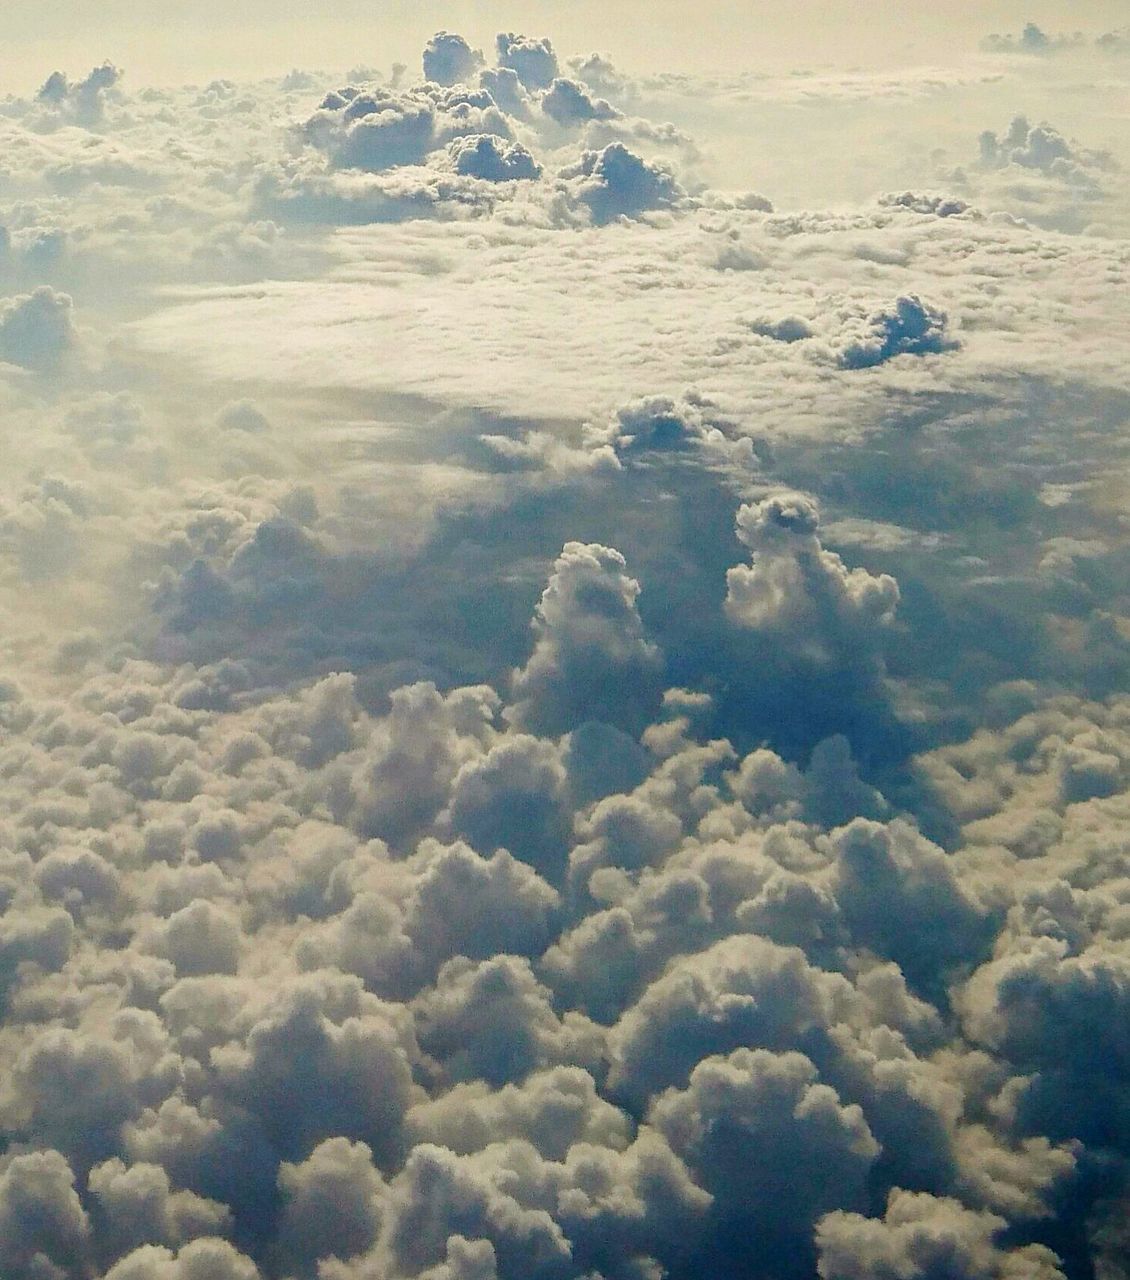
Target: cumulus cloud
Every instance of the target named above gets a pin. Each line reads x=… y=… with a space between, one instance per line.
x=37 y=329
x=1032 y=39
x=1035 y=41
x=776 y=1149
x=374 y=130
x=556 y=722
x=909 y=327
x=62 y=101
x=616 y=182
x=486 y=156
x=591 y=659
x=940 y=206
x=1041 y=148
x=533 y=61
x=333 y=1205
x=919 y=1235
x=567 y=102
x=449 y=59
x=800 y=593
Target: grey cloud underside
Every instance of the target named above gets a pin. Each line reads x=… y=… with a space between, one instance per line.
x=558 y=723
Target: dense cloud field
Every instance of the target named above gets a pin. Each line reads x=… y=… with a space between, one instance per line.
x=565 y=670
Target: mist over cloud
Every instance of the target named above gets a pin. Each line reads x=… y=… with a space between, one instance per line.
x=1035 y=41
x=563 y=705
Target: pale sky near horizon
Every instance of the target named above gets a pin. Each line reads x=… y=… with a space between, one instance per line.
x=202 y=39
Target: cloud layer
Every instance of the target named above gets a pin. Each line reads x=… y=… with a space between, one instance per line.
x=562 y=717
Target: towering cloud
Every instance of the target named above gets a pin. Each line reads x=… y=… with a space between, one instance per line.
x=449 y=59
x=801 y=594
x=533 y=61
x=591 y=659
x=36 y=329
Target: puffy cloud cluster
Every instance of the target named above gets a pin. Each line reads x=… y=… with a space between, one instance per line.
x=1032 y=39
x=924 y=1236
x=494 y=981
x=759 y=906
x=449 y=59
x=801 y=594
x=657 y=425
x=939 y=206
x=615 y=182
x=909 y=327
x=567 y=102
x=37 y=329
x=418 y=143
x=61 y=101
x=1035 y=41
x=381 y=128
x=532 y=61
x=485 y=156
x=591 y=659
x=1042 y=148
x=355 y=993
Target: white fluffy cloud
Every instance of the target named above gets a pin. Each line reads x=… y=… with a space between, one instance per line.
x=449 y=59
x=591 y=659
x=800 y=594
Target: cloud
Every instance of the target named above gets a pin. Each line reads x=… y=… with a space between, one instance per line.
x=940 y=206
x=607 y=1205
x=909 y=327
x=597 y=71
x=1035 y=41
x=449 y=59
x=553 y=1110
x=797 y=591
x=759 y=1131
x=199 y=1260
x=1032 y=39
x=37 y=329
x=616 y=182
x=567 y=102
x=782 y=328
x=288 y=332
x=1116 y=41
x=136 y=1206
x=533 y=61
x=591 y=659
x=469 y=905
x=83 y=102
x=333 y=1205
x=919 y=1234
x=485 y=156
x=742 y=990
x=900 y=898
x=242 y=415
x=376 y=129
x=45 y=1226
x=1042 y=148
x=514 y=797
x=558 y=722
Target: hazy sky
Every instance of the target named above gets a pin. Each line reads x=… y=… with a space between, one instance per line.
x=202 y=39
